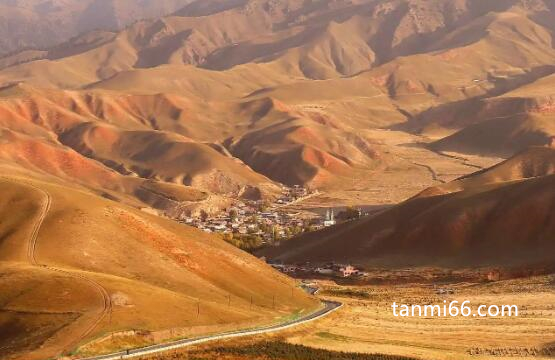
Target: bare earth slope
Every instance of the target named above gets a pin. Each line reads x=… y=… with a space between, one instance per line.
x=115 y=144
x=301 y=92
x=499 y=217
x=75 y=266
x=530 y=163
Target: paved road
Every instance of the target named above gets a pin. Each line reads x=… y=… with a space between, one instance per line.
x=329 y=307
x=312 y=290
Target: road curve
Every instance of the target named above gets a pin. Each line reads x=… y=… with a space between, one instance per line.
x=32 y=258
x=32 y=244
x=329 y=307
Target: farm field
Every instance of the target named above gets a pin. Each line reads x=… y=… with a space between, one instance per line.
x=366 y=328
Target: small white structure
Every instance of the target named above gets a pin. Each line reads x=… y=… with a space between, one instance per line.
x=330 y=218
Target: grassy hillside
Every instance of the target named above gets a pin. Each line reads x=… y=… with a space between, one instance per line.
x=82 y=266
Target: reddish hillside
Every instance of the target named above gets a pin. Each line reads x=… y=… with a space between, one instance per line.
x=298 y=91
x=492 y=218
x=113 y=143
x=301 y=148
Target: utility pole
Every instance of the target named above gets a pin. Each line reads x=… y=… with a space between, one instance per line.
x=228 y=300
x=251 y=301
x=198 y=309
x=274 y=302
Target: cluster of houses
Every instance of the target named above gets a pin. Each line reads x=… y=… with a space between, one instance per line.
x=328 y=270
x=290 y=195
x=263 y=220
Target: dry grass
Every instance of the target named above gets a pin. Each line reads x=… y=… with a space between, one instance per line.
x=366 y=325
x=158 y=276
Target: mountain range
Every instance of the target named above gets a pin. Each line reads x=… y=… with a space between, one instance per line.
x=241 y=94
x=40 y=24
x=114 y=112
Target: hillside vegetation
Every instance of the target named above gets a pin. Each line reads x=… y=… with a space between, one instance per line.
x=75 y=267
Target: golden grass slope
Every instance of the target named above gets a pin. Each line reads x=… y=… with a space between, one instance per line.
x=152 y=273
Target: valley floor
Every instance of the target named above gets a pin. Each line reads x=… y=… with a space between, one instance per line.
x=412 y=168
x=366 y=325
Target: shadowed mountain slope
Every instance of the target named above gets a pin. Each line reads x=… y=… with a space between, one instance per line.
x=291 y=91
x=499 y=217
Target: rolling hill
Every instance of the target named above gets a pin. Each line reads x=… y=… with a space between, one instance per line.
x=369 y=101
x=531 y=163
x=502 y=216
x=293 y=92
x=116 y=144
x=109 y=107
x=75 y=266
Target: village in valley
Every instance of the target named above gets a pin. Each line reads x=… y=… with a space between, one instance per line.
x=250 y=224
x=253 y=224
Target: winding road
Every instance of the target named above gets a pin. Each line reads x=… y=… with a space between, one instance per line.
x=329 y=307
x=32 y=244
x=32 y=258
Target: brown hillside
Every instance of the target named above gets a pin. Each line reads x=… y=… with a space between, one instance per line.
x=530 y=163
x=163 y=156
x=79 y=138
x=312 y=143
x=83 y=249
x=299 y=91
x=500 y=137
x=492 y=218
